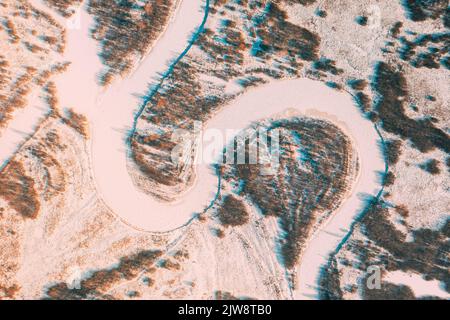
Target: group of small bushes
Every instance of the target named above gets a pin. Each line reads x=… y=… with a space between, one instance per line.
x=361 y=99
x=18 y=189
x=329 y=285
x=431 y=166
x=391 y=87
x=15 y=89
x=327 y=65
x=126 y=30
x=4 y=81
x=426 y=254
x=64 y=7
x=421 y=10
x=271 y=36
x=396 y=29
x=18 y=92
x=177 y=107
x=100 y=281
x=77 y=121
x=427 y=50
x=229 y=49
x=302 y=2
x=11 y=30
x=232 y=212
x=275 y=34
x=388 y=179
x=392 y=151
x=388 y=248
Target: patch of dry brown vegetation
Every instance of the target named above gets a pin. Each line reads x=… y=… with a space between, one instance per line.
x=225 y=295
x=99 y=282
x=17 y=188
x=17 y=98
x=232 y=212
x=11 y=30
x=126 y=30
x=78 y=122
x=8 y=292
x=169 y=264
x=54 y=175
x=178 y=107
x=391 y=86
x=64 y=7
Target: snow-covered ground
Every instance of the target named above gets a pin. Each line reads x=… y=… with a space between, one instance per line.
x=24 y=121
x=23 y=125
x=110 y=113
x=417 y=283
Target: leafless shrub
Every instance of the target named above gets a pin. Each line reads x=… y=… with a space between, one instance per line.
x=395 y=30
x=169 y=264
x=33 y=48
x=232 y=212
x=12 y=32
x=393 y=151
x=78 y=122
x=219 y=233
x=402 y=210
x=391 y=86
x=55 y=177
x=388 y=179
x=52 y=98
x=431 y=166
x=358 y=84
